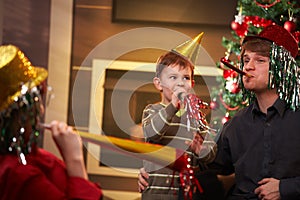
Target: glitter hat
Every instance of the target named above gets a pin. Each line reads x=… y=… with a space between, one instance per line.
x=190 y=49
x=280 y=36
x=16 y=72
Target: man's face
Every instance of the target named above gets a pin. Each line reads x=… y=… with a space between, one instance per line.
x=258 y=66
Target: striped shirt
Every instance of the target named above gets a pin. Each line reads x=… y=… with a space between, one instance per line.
x=166 y=125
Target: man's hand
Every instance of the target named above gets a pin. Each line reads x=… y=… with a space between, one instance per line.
x=268 y=189
x=142 y=182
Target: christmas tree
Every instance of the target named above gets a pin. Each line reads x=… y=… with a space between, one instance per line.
x=251 y=17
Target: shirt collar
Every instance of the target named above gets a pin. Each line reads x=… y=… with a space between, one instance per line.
x=164 y=105
x=279 y=105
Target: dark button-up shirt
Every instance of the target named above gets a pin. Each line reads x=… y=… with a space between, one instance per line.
x=254 y=145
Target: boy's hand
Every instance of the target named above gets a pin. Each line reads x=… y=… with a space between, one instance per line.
x=196 y=144
x=178 y=97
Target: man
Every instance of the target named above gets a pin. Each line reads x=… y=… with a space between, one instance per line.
x=260 y=144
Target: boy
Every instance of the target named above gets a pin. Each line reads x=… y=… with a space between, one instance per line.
x=167 y=122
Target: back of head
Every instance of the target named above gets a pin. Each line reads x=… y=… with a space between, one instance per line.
x=20 y=101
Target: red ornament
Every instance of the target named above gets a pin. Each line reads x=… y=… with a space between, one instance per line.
x=229 y=73
x=242 y=30
x=258 y=21
x=214 y=105
x=234 y=88
x=226 y=118
x=290 y=26
x=235 y=25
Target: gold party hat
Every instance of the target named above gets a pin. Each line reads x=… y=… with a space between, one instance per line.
x=16 y=71
x=190 y=49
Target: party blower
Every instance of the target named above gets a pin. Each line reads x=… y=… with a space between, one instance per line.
x=226 y=62
x=173 y=158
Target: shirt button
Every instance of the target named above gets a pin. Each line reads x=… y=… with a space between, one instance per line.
x=267 y=145
x=268 y=124
x=271 y=162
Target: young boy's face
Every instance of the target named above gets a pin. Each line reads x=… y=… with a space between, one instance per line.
x=174 y=80
x=258 y=66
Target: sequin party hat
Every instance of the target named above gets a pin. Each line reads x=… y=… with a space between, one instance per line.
x=16 y=72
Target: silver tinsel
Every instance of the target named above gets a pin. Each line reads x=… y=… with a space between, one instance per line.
x=13 y=122
x=284 y=75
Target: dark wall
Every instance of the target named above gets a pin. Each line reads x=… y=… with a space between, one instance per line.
x=26 y=24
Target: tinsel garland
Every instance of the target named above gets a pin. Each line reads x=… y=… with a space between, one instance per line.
x=284 y=75
x=196 y=118
x=14 y=122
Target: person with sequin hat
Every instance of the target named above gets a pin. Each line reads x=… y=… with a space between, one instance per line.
x=27 y=171
x=260 y=144
x=167 y=123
